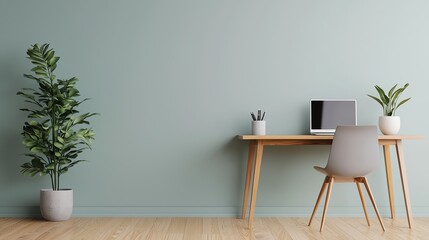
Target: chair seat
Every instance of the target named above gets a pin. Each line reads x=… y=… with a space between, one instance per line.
x=337 y=177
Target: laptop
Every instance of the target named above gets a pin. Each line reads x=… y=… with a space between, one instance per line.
x=327 y=114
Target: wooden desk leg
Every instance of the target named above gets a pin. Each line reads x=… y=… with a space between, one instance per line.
x=401 y=163
x=258 y=161
x=388 y=165
x=250 y=158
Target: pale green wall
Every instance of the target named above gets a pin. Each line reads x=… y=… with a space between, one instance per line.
x=175 y=81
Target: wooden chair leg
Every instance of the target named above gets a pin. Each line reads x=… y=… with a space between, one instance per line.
x=322 y=190
x=368 y=189
x=358 y=182
x=328 y=195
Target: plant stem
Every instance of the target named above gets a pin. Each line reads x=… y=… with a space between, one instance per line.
x=53 y=124
x=52 y=180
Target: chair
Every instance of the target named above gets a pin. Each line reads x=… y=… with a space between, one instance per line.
x=354 y=154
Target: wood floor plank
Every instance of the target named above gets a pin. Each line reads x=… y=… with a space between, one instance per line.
x=271 y=228
x=159 y=229
x=277 y=229
x=141 y=229
x=193 y=228
x=211 y=227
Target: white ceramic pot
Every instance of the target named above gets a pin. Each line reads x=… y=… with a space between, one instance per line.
x=258 y=127
x=389 y=125
x=56 y=205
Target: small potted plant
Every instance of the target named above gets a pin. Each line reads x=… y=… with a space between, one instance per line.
x=390 y=124
x=51 y=133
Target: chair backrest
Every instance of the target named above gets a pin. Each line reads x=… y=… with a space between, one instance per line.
x=355 y=151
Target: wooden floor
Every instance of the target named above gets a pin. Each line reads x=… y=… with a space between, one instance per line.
x=209 y=228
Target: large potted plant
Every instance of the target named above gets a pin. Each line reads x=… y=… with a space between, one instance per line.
x=390 y=124
x=53 y=133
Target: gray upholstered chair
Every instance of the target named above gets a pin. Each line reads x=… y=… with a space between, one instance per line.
x=354 y=154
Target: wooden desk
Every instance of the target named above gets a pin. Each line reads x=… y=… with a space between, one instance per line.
x=257 y=144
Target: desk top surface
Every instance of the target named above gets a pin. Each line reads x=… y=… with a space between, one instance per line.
x=318 y=137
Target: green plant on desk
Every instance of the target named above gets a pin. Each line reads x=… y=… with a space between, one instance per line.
x=389 y=101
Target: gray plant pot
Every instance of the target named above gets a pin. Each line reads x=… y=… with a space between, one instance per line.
x=56 y=205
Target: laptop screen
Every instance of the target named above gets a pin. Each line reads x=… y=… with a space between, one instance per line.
x=327 y=114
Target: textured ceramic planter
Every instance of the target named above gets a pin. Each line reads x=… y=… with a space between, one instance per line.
x=389 y=125
x=56 y=205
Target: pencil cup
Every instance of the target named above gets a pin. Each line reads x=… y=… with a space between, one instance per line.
x=258 y=127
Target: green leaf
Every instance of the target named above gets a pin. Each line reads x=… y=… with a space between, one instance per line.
x=383 y=96
x=65 y=161
x=81 y=118
x=29 y=143
x=391 y=90
x=406 y=85
x=50 y=55
x=44 y=47
x=39 y=68
x=36 y=156
x=42 y=73
x=66 y=168
x=34 y=123
x=37 y=149
x=58 y=145
x=53 y=61
x=72 y=156
x=36 y=163
x=51 y=166
x=26 y=95
x=34 y=55
x=395 y=99
x=376 y=99
x=60 y=139
x=36 y=115
x=402 y=102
